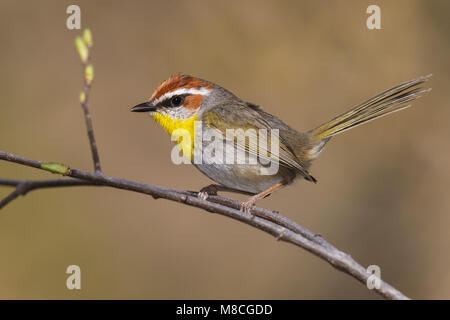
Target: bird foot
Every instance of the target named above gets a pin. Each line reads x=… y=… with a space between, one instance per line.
x=203 y=195
x=207 y=191
x=249 y=204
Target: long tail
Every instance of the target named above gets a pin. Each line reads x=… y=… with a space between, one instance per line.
x=384 y=103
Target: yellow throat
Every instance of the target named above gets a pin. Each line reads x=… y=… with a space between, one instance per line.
x=182 y=131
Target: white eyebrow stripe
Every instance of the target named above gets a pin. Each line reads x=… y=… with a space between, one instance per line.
x=202 y=91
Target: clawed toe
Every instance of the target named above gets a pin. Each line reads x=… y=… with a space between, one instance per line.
x=207 y=191
x=203 y=195
x=248 y=205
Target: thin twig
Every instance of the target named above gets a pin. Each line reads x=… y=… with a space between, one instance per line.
x=280 y=227
x=13 y=195
x=87 y=116
x=22 y=187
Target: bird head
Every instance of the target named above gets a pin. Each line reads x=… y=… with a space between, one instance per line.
x=181 y=97
x=177 y=103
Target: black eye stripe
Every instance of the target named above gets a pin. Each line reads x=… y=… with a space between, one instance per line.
x=168 y=102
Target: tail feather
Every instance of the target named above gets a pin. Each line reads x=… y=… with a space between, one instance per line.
x=384 y=103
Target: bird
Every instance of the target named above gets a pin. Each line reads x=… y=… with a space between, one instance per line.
x=187 y=103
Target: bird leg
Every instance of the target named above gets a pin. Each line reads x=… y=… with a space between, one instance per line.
x=212 y=190
x=247 y=205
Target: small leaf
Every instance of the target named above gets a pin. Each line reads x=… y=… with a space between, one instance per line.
x=82 y=49
x=82 y=97
x=87 y=37
x=89 y=73
x=54 y=167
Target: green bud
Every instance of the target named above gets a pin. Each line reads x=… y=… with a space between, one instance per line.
x=89 y=73
x=54 y=167
x=82 y=49
x=87 y=37
x=82 y=97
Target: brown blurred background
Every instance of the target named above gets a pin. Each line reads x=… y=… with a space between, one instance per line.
x=383 y=188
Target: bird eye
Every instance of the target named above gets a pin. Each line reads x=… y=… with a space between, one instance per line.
x=176 y=101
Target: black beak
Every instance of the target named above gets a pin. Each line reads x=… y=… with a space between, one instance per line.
x=143 y=107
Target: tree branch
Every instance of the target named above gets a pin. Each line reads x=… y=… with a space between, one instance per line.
x=270 y=222
x=25 y=186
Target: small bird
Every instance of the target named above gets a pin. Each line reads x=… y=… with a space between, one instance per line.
x=182 y=101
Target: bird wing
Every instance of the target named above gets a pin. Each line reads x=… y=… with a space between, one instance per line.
x=248 y=116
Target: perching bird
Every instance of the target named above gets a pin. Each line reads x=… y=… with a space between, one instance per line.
x=183 y=102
